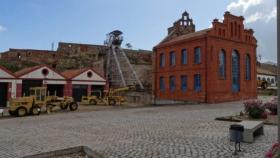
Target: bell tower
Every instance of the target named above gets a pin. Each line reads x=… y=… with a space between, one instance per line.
x=182 y=26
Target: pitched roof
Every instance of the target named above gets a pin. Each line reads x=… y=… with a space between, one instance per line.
x=30 y=69
x=7 y=70
x=26 y=70
x=265 y=72
x=70 y=74
x=166 y=40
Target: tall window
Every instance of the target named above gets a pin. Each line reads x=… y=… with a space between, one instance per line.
x=197 y=82
x=184 y=83
x=161 y=84
x=197 y=55
x=272 y=81
x=184 y=57
x=172 y=58
x=248 y=67
x=235 y=71
x=222 y=64
x=162 y=60
x=172 y=85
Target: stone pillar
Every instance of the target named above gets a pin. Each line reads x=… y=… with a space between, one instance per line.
x=19 y=90
x=68 y=89
x=89 y=90
x=9 y=92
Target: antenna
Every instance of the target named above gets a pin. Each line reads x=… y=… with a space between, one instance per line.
x=52 y=46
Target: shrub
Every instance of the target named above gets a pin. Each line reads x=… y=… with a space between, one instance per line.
x=254 y=108
x=272 y=105
x=273 y=152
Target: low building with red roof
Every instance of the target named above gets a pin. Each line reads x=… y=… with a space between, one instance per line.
x=82 y=82
x=40 y=75
x=8 y=86
x=266 y=75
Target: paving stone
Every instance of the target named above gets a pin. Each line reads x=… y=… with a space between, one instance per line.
x=169 y=131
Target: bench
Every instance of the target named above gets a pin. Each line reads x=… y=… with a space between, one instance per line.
x=251 y=130
x=2 y=112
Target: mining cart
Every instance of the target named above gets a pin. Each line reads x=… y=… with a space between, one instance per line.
x=38 y=99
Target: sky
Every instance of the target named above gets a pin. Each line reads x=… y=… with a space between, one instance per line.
x=36 y=24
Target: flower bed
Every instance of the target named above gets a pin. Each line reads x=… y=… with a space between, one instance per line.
x=254 y=108
x=272 y=105
x=274 y=152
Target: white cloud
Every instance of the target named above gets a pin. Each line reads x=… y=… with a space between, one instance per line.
x=272 y=14
x=243 y=5
x=2 y=28
x=260 y=15
x=254 y=17
x=254 y=10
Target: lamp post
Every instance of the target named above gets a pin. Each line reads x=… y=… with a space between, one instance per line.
x=278 y=66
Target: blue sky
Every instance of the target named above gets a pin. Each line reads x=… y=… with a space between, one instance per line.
x=37 y=23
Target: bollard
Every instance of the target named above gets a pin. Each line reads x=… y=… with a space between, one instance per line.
x=236 y=135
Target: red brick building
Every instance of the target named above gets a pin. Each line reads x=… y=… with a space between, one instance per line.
x=212 y=65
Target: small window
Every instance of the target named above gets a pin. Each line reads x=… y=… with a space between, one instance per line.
x=172 y=59
x=197 y=55
x=162 y=60
x=184 y=57
x=222 y=64
x=19 y=56
x=161 y=84
x=89 y=74
x=184 y=83
x=248 y=67
x=268 y=80
x=172 y=83
x=197 y=83
x=272 y=81
x=45 y=72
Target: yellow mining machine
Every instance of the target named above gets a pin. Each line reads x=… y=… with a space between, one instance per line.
x=38 y=99
x=262 y=84
x=111 y=97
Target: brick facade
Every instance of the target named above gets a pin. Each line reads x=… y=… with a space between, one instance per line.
x=228 y=35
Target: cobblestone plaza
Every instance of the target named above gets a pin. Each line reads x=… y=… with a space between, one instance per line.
x=165 y=131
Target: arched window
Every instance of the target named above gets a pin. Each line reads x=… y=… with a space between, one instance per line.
x=248 y=67
x=172 y=58
x=268 y=80
x=184 y=56
x=197 y=82
x=162 y=60
x=197 y=55
x=161 y=84
x=235 y=71
x=222 y=64
x=172 y=85
x=184 y=83
x=272 y=81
